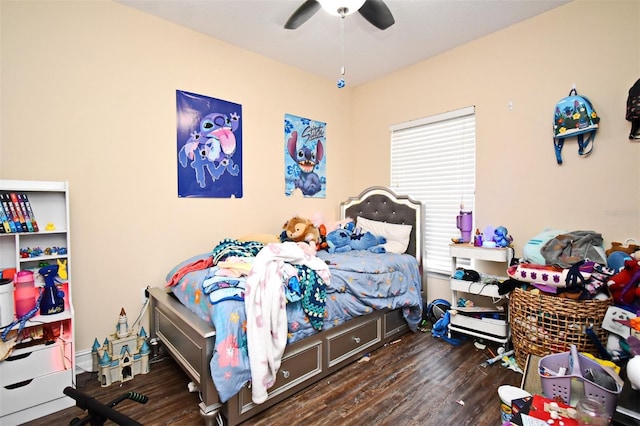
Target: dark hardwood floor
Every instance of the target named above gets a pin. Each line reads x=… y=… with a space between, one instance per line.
x=420 y=380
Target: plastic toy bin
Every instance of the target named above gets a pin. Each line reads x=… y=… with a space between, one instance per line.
x=564 y=372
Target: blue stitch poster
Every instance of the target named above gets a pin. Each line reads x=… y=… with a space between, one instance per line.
x=305 y=156
x=209 y=146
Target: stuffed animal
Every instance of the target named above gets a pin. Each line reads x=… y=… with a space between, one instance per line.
x=299 y=229
x=501 y=237
x=628 y=247
x=368 y=241
x=345 y=239
x=322 y=244
x=623 y=285
x=339 y=241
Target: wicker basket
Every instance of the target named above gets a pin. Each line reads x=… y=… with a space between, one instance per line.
x=543 y=324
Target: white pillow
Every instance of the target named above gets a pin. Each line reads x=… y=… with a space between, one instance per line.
x=397 y=235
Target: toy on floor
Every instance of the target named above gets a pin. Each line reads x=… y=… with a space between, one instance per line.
x=441 y=329
x=122 y=355
x=510 y=362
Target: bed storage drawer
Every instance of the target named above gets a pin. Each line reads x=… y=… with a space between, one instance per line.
x=350 y=341
x=394 y=324
x=296 y=367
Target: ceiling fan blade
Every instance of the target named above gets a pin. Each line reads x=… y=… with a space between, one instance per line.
x=377 y=13
x=302 y=14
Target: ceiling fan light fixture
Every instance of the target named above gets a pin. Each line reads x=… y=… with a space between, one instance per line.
x=340 y=7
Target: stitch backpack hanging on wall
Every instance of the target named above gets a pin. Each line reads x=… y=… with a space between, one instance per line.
x=574 y=116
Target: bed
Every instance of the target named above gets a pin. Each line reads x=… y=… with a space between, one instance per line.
x=193 y=334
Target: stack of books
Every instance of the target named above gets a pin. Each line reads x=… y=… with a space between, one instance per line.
x=16 y=214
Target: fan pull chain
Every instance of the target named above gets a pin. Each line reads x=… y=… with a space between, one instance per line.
x=341 y=82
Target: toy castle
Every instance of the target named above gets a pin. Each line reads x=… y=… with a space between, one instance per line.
x=122 y=355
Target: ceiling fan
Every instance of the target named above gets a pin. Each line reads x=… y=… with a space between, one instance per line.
x=374 y=11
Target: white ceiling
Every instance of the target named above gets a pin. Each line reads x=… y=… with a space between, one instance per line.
x=423 y=28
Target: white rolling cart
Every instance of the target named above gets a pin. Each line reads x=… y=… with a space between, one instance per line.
x=489 y=321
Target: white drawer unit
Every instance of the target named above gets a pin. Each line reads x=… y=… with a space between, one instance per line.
x=488 y=322
x=27 y=363
x=34 y=394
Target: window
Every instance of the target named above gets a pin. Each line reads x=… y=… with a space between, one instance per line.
x=433 y=161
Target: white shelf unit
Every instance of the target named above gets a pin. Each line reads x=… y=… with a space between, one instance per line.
x=481 y=326
x=33 y=377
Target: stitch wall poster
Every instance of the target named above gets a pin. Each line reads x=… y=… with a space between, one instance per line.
x=209 y=146
x=305 y=157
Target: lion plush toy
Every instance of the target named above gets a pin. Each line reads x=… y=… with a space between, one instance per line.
x=299 y=229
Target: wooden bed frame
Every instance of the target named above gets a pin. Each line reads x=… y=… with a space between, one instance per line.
x=190 y=340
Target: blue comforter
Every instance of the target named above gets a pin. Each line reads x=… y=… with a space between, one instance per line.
x=360 y=283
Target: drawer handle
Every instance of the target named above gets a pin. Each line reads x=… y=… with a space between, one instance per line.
x=356 y=339
x=17 y=357
x=18 y=385
x=285 y=374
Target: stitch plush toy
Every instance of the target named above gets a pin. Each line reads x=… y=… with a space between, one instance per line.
x=368 y=241
x=339 y=240
x=501 y=237
x=345 y=239
x=299 y=229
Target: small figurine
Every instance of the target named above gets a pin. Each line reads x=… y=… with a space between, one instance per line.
x=62 y=268
x=501 y=237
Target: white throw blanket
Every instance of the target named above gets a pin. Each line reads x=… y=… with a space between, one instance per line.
x=266 y=313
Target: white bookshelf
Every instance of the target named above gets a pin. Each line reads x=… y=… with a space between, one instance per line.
x=33 y=377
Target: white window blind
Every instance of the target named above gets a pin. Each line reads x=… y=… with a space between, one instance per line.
x=433 y=160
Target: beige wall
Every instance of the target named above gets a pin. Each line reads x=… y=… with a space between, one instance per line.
x=88 y=96
x=592 y=44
